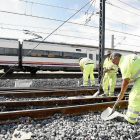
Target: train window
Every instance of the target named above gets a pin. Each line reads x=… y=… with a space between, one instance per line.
x=15 y=51
x=75 y=56
x=68 y=55
x=55 y=54
x=91 y=56
x=79 y=50
x=8 y=51
x=2 y=50
x=45 y=53
x=33 y=54
x=97 y=57
x=78 y=55
x=37 y=53
x=84 y=55
x=81 y=55
x=26 y=52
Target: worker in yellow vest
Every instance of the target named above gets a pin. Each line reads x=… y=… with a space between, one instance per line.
x=87 y=67
x=110 y=77
x=130 y=69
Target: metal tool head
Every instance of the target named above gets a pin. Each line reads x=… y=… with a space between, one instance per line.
x=108 y=115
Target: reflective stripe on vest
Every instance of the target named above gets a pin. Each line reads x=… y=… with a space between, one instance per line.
x=138 y=72
x=130 y=117
x=105 y=89
x=134 y=78
x=133 y=111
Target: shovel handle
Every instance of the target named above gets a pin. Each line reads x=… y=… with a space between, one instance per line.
x=102 y=78
x=115 y=105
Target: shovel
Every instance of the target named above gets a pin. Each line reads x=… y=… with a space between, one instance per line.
x=99 y=86
x=109 y=113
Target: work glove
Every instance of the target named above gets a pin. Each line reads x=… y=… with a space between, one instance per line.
x=105 y=70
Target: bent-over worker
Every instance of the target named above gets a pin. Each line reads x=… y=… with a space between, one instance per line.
x=130 y=69
x=87 y=67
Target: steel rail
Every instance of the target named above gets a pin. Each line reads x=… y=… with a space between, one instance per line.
x=48 y=112
x=16 y=105
x=51 y=92
x=45 y=75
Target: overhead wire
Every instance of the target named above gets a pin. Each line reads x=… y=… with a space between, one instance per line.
x=45 y=28
x=129 y=5
x=45 y=18
x=49 y=33
x=74 y=10
x=119 y=42
x=53 y=6
x=80 y=11
x=71 y=36
x=47 y=36
x=122 y=9
x=60 y=30
x=123 y=23
x=89 y=18
x=68 y=22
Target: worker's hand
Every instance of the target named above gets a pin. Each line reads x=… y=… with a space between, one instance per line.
x=81 y=69
x=111 y=69
x=105 y=70
x=120 y=96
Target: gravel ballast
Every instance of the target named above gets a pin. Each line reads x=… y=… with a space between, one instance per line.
x=82 y=127
x=51 y=82
x=58 y=127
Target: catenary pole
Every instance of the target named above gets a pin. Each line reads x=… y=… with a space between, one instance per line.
x=101 y=38
x=112 y=42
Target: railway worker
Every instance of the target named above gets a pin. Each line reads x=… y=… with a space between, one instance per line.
x=130 y=69
x=87 y=67
x=110 y=77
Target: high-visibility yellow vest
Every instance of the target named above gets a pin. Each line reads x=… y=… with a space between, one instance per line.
x=108 y=65
x=129 y=65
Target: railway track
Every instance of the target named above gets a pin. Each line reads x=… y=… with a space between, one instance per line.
x=45 y=75
x=40 y=103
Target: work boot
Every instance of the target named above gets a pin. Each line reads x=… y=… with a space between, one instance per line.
x=83 y=86
x=111 y=95
x=104 y=95
x=122 y=119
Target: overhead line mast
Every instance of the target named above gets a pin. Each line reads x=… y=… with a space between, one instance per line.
x=101 y=38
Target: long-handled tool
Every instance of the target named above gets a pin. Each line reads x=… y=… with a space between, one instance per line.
x=109 y=113
x=99 y=86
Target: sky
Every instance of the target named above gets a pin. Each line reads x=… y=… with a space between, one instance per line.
x=42 y=17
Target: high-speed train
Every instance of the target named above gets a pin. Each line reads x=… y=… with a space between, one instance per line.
x=31 y=56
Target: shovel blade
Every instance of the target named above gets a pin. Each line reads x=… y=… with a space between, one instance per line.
x=108 y=115
x=95 y=95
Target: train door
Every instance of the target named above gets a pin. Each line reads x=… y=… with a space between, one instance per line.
x=92 y=55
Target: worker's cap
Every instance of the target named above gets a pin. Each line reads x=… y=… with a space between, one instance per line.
x=135 y=52
x=108 y=52
x=80 y=59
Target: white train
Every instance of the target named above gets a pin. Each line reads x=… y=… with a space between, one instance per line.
x=46 y=56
